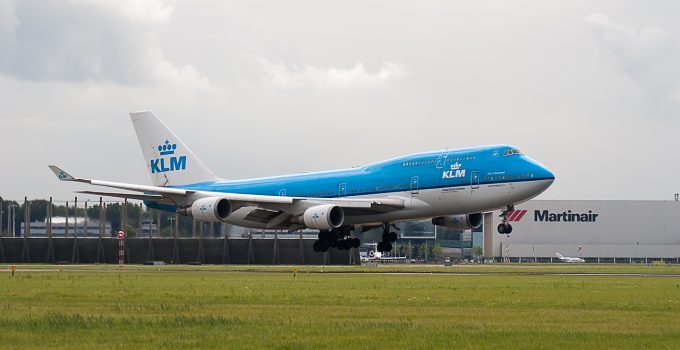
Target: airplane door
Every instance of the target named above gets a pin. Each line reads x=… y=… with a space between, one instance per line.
x=342 y=190
x=474 y=179
x=414 y=185
x=282 y=192
x=441 y=160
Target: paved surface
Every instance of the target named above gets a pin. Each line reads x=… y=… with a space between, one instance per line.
x=321 y=271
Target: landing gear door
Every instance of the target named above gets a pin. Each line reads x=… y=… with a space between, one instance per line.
x=474 y=179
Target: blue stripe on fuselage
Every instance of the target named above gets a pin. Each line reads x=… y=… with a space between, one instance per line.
x=395 y=175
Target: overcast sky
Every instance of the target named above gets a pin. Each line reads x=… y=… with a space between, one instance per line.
x=589 y=88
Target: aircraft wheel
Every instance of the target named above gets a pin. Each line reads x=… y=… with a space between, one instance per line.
x=355 y=242
x=504 y=228
x=384 y=247
x=323 y=235
x=392 y=237
x=387 y=246
x=317 y=246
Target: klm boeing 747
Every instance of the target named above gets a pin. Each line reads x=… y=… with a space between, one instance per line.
x=453 y=188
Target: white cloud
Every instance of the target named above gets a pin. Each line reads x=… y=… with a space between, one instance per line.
x=282 y=75
x=631 y=44
x=649 y=56
x=150 y=11
x=101 y=41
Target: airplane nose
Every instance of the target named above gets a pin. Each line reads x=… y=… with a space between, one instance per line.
x=545 y=176
x=547 y=173
x=541 y=172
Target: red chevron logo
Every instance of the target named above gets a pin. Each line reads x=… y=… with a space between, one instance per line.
x=516 y=215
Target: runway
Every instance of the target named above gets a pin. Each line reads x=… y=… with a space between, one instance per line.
x=323 y=270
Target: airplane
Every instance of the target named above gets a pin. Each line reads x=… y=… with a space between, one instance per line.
x=373 y=254
x=569 y=259
x=453 y=188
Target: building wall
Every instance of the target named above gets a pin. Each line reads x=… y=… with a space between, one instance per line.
x=619 y=229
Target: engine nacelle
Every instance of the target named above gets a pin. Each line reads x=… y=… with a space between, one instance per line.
x=323 y=217
x=459 y=222
x=210 y=209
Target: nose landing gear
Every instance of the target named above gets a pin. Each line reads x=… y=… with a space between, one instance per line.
x=504 y=227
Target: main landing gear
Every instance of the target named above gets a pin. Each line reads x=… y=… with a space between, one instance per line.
x=335 y=238
x=504 y=227
x=387 y=238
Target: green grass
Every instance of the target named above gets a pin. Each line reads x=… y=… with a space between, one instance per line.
x=142 y=307
x=522 y=268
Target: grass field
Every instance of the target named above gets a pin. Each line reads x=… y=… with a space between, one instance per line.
x=233 y=307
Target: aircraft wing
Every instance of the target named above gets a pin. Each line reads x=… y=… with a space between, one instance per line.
x=142 y=197
x=278 y=204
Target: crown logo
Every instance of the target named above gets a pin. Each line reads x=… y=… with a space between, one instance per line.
x=167 y=148
x=455 y=166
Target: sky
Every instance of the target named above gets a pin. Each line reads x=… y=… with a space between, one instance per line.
x=258 y=88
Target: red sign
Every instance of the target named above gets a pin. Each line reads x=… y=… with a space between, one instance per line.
x=121 y=235
x=516 y=215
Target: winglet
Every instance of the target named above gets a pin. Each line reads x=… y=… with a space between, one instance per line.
x=62 y=175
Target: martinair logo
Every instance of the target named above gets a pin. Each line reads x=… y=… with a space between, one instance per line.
x=455 y=172
x=547 y=216
x=164 y=163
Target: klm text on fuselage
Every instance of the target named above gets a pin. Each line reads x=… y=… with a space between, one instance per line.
x=452 y=174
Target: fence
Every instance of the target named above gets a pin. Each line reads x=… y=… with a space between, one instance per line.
x=171 y=250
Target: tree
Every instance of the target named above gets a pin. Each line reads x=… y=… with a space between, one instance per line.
x=39 y=210
x=166 y=232
x=131 y=232
x=477 y=251
x=424 y=250
x=437 y=251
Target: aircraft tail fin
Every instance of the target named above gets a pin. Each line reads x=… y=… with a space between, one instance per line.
x=559 y=255
x=169 y=161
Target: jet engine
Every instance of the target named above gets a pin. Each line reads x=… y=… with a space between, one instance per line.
x=210 y=208
x=323 y=217
x=459 y=222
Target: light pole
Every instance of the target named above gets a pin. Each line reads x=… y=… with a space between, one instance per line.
x=10 y=209
x=172 y=221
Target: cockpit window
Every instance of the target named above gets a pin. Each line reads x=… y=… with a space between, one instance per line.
x=508 y=152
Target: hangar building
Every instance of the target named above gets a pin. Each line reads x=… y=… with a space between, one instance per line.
x=589 y=229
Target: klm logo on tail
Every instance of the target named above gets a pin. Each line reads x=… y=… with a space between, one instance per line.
x=165 y=164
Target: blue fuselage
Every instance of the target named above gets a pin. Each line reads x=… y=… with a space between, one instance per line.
x=441 y=169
